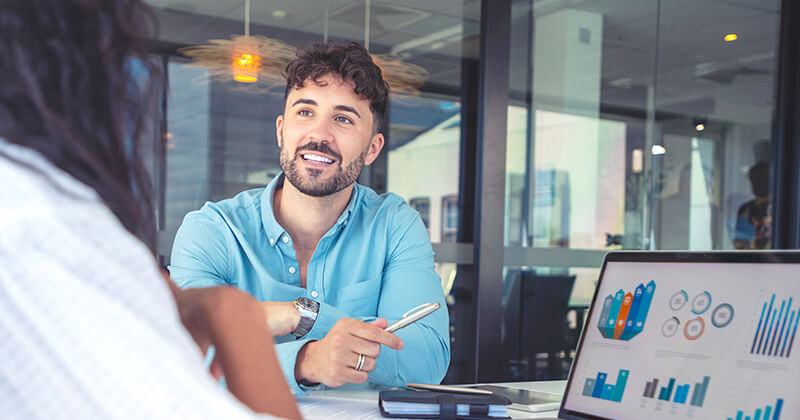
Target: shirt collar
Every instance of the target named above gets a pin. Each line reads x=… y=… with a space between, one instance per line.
x=271 y=226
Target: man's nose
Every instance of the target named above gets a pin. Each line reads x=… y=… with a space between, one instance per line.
x=321 y=131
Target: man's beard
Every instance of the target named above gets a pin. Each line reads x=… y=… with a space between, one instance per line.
x=310 y=184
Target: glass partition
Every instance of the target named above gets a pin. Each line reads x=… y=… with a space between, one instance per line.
x=631 y=125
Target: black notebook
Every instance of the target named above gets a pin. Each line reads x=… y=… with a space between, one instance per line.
x=442 y=405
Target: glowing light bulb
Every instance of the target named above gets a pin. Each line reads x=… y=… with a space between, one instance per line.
x=700 y=127
x=658 y=149
x=731 y=37
x=245 y=68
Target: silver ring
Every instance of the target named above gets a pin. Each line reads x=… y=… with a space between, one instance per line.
x=360 y=363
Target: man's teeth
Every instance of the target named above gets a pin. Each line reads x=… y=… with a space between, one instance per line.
x=317 y=158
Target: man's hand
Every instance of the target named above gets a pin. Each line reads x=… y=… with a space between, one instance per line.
x=282 y=317
x=332 y=360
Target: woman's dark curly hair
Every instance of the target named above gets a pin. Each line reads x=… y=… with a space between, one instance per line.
x=351 y=62
x=77 y=83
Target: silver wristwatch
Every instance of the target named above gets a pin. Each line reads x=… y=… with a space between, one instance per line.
x=308 y=314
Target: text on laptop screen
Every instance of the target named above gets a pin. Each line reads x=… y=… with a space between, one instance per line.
x=670 y=340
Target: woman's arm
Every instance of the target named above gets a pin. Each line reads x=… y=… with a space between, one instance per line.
x=234 y=323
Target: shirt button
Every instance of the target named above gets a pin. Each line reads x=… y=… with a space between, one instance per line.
x=271 y=241
x=292 y=270
x=314 y=293
x=286 y=239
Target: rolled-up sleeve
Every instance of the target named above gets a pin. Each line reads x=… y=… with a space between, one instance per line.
x=409 y=280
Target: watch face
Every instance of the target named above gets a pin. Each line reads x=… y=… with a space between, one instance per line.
x=308 y=303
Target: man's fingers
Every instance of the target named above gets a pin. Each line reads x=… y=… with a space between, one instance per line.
x=360 y=345
x=380 y=323
x=369 y=364
x=376 y=334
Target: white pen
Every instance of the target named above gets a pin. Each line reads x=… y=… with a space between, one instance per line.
x=412 y=316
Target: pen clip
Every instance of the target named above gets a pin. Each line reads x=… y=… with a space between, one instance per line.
x=414 y=309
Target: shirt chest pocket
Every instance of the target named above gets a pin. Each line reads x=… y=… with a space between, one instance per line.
x=360 y=299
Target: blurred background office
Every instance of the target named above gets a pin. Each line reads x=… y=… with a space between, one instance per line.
x=547 y=133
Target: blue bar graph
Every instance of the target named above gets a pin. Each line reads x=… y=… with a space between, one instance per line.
x=599 y=384
x=777 y=328
x=769 y=414
x=666 y=392
x=681 y=394
x=598 y=387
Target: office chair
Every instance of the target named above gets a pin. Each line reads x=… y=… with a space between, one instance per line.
x=535 y=322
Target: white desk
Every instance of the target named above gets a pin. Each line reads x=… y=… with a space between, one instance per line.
x=362 y=404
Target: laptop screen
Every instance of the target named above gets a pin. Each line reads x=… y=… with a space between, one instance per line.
x=677 y=339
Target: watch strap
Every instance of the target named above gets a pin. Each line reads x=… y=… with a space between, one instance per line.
x=308 y=309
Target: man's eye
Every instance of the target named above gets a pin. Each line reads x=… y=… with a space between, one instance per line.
x=305 y=113
x=343 y=120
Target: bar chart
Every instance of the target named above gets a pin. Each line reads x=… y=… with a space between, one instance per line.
x=776 y=329
x=678 y=394
x=599 y=387
x=767 y=413
x=624 y=314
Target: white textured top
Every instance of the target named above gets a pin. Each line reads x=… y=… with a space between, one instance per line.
x=88 y=328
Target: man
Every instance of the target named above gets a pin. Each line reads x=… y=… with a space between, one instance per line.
x=753 y=221
x=326 y=255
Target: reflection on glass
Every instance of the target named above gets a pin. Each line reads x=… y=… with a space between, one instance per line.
x=753 y=226
x=687 y=197
x=617 y=140
x=423 y=206
x=424 y=164
x=577 y=192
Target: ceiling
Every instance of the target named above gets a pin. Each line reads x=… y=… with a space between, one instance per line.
x=697 y=73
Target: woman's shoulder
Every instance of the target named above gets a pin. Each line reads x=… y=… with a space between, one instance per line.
x=29 y=180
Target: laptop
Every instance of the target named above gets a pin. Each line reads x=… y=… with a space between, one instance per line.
x=682 y=335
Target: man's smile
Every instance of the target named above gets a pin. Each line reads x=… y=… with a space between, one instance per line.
x=317 y=158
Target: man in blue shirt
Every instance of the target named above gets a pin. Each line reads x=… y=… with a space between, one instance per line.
x=332 y=261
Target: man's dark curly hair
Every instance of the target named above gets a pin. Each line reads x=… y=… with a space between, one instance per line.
x=351 y=62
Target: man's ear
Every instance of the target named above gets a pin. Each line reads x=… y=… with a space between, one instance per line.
x=375 y=147
x=279 y=130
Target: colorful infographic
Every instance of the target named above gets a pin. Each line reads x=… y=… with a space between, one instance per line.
x=624 y=314
x=681 y=393
x=694 y=328
x=599 y=388
x=776 y=329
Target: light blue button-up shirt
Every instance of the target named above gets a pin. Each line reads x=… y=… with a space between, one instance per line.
x=376 y=261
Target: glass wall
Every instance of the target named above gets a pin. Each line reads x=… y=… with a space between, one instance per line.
x=631 y=125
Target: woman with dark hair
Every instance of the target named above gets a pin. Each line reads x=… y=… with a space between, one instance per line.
x=90 y=327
